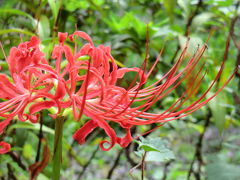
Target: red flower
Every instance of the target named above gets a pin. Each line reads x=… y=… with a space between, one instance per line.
x=32 y=80
x=109 y=102
x=90 y=87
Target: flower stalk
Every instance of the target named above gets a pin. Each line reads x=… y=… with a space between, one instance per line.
x=57 y=156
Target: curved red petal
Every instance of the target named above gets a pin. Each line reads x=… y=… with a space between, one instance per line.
x=82 y=35
x=4 y=147
x=81 y=134
x=62 y=37
x=4 y=124
x=126 y=140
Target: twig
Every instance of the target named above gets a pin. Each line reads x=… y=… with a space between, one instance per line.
x=127 y=154
x=10 y=172
x=234 y=37
x=88 y=163
x=143 y=165
x=198 y=151
x=115 y=164
x=55 y=27
x=190 y=19
x=238 y=63
x=237 y=45
x=165 y=170
x=37 y=16
x=128 y=150
x=17 y=159
x=132 y=169
x=187 y=28
x=232 y=33
x=73 y=154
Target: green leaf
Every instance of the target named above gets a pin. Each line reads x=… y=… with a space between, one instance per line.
x=15 y=30
x=16 y=12
x=197 y=127
x=72 y=5
x=99 y=2
x=221 y=170
x=159 y=156
x=126 y=23
x=26 y=125
x=218 y=110
x=185 y=5
x=202 y=18
x=42 y=177
x=27 y=151
x=223 y=2
x=169 y=6
x=3 y=64
x=153 y=144
x=156 y=148
x=44 y=27
x=55 y=6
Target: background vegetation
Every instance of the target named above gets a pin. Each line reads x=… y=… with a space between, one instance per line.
x=206 y=144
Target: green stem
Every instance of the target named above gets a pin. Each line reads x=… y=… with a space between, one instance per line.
x=57 y=153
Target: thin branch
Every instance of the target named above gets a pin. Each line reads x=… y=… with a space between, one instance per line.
x=10 y=172
x=74 y=155
x=198 y=151
x=165 y=170
x=128 y=150
x=127 y=154
x=88 y=163
x=56 y=23
x=115 y=164
x=143 y=165
x=37 y=16
x=233 y=36
x=132 y=169
x=187 y=28
x=232 y=33
x=15 y=157
x=190 y=19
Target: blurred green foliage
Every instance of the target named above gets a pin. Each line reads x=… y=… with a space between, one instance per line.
x=122 y=25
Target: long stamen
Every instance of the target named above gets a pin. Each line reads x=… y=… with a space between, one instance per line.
x=85 y=90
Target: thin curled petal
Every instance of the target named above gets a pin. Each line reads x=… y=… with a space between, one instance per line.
x=4 y=147
x=4 y=124
x=81 y=134
x=82 y=35
x=62 y=37
x=126 y=140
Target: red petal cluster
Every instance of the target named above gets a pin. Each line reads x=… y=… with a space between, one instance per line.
x=90 y=87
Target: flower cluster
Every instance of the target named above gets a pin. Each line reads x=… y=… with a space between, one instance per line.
x=90 y=87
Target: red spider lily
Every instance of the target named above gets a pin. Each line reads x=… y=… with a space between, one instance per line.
x=114 y=103
x=90 y=87
x=32 y=80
